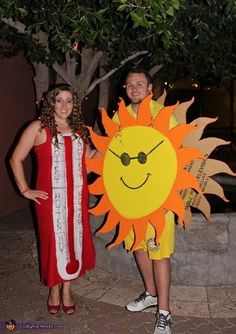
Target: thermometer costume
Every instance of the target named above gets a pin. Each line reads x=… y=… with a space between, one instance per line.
x=66 y=246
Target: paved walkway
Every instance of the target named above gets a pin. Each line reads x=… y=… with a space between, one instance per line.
x=100 y=296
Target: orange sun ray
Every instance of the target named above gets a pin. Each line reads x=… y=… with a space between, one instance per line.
x=158 y=222
x=110 y=126
x=162 y=119
x=124 y=228
x=186 y=154
x=144 y=115
x=97 y=187
x=175 y=204
x=178 y=133
x=140 y=227
x=101 y=143
x=187 y=180
x=124 y=116
x=102 y=207
x=95 y=164
x=110 y=223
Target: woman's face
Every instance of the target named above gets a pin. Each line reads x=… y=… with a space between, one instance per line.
x=63 y=105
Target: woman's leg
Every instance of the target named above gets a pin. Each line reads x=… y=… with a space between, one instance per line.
x=68 y=305
x=66 y=294
x=54 y=295
x=54 y=299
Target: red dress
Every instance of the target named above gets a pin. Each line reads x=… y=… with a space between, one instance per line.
x=66 y=245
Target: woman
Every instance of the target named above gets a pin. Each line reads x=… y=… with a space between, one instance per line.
x=59 y=140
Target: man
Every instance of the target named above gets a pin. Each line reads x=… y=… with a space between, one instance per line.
x=152 y=260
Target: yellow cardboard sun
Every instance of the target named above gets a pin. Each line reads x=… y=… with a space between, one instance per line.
x=141 y=170
x=146 y=169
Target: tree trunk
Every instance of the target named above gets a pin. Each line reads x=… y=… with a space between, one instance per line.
x=103 y=95
x=41 y=80
x=103 y=87
x=90 y=61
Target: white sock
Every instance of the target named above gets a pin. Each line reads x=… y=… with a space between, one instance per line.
x=164 y=312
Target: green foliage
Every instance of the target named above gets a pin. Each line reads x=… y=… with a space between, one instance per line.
x=207 y=49
x=188 y=37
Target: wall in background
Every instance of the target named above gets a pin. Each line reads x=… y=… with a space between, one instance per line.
x=17 y=106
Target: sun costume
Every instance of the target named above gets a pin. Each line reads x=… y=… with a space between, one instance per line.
x=165 y=246
x=148 y=168
x=66 y=245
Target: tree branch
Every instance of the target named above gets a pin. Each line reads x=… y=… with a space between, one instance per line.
x=41 y=36
x=108 y=74
x=20 y=27
x=90 y=62
x=63 y=74
x=155 y=69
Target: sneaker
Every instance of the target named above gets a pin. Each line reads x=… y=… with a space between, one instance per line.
x=163 y=324
x=144 y=301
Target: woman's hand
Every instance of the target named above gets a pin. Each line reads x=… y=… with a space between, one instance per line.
x=34 y=195
x=90 y=153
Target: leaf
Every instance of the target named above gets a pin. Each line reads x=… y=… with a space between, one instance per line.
x=22 y=11
x=102 y=11
x=230 y=7
x=170 y=11
x=121 y=8
x=175 y=4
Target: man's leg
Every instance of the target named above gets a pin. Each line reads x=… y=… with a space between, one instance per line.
x=145 y=267
x=162 y=275
x=146 y=299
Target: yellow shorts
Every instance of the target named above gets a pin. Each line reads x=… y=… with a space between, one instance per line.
x=166 y=243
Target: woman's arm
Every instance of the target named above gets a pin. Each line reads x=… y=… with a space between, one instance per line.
x=24 y=146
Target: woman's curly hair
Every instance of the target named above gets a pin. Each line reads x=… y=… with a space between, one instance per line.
x=75 y=120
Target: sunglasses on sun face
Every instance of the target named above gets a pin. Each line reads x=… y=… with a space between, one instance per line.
x=141 y=157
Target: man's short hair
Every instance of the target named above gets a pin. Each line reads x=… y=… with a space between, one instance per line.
x=140 y=69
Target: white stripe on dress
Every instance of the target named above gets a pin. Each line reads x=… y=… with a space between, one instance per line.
x=60 y=205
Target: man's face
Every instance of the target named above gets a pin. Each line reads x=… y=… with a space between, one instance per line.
x=137 y=87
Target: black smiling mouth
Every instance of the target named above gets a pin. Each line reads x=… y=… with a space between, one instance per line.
x=137 y=187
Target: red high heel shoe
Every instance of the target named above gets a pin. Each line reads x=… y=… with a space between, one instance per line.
x=68 y=309
x=53 y=309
